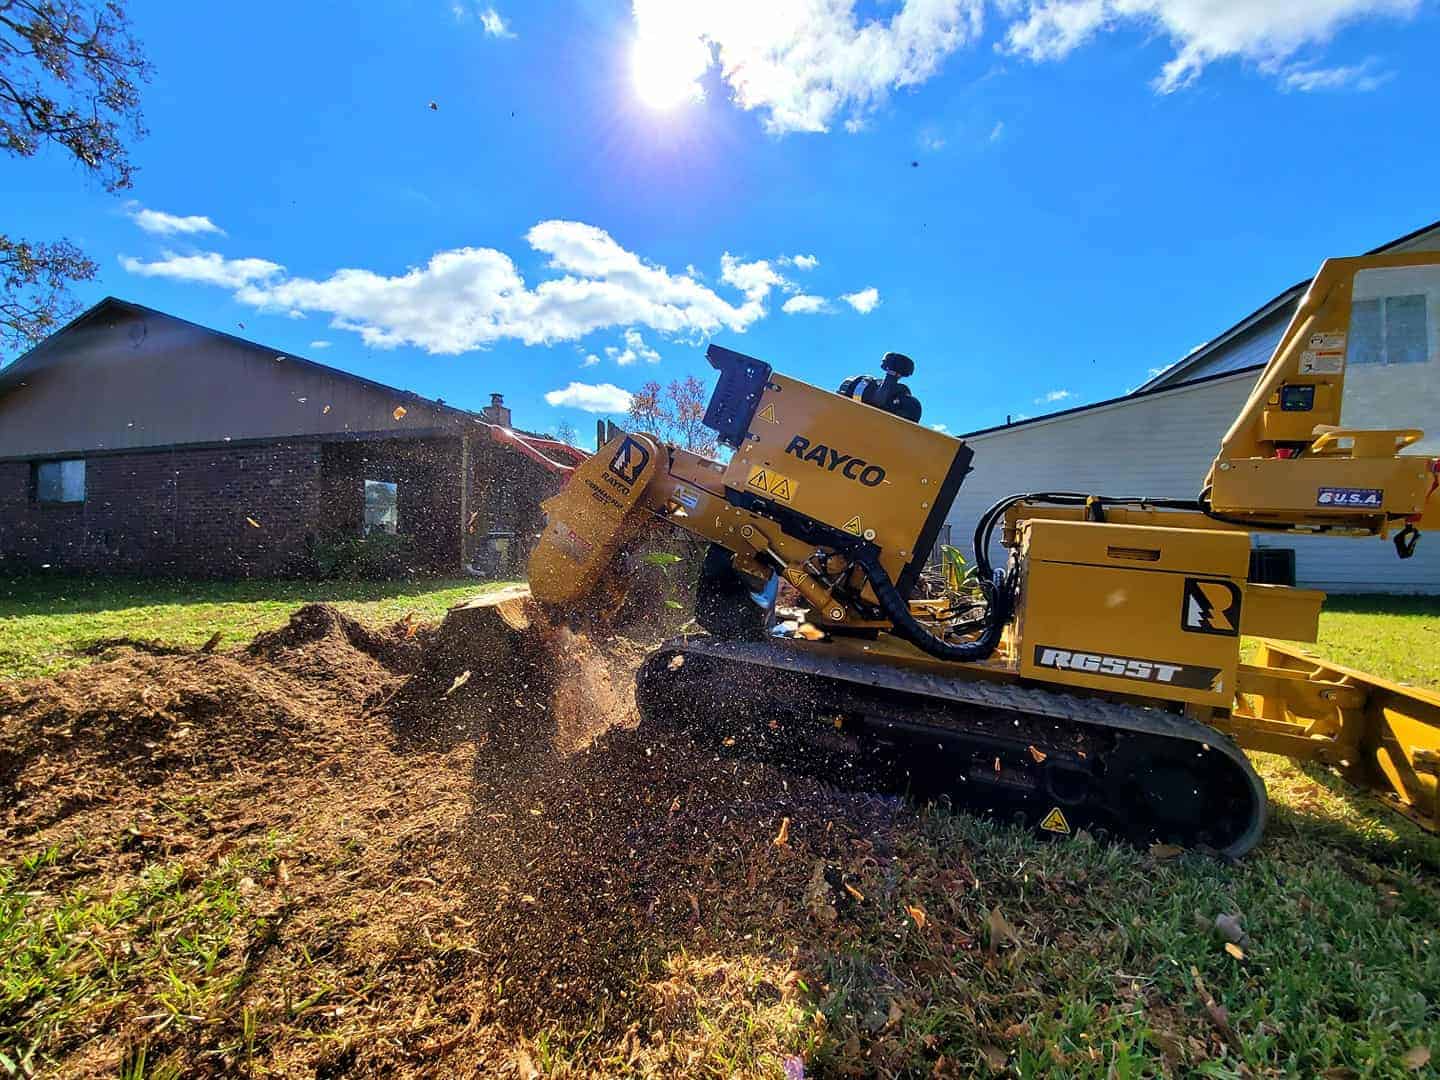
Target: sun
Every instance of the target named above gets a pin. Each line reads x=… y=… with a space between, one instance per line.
x=666 y=64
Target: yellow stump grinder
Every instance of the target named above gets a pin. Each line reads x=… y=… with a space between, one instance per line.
x=1094 y=680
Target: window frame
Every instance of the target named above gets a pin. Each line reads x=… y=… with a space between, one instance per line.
x=36 y=488
x=1378 y=310
x=366 y=528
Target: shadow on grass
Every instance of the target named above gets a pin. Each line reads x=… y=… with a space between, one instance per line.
x=1382 y=604
x=68 y=595
x=1356 y=820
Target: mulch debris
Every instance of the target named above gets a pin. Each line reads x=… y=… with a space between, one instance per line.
x=440 y=872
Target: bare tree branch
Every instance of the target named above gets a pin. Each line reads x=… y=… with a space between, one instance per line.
x=34 y=294
x=675 y=412
x=70 y=76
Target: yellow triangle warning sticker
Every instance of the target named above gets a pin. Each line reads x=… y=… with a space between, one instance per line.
x=758 y=479
x=1055 y=822
x=768 y=413
x=781 y=489
x=853 y=526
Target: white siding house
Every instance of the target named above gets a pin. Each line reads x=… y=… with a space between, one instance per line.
x=1159 y=441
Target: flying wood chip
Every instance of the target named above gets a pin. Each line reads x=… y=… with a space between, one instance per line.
x=1234 y=950
x=252 y=523
x=460 y=680
x=783 y=836
x=399 y=412
x=918 y=914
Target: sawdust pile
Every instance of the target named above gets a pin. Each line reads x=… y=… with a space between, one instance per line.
x=441 y=843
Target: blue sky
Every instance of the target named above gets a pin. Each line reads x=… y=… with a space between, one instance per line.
x=1039 y=202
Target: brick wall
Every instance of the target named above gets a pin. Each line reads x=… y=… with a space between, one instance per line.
x=179 y=511
x=506 y=490
x=184 y=511
x=426 y=473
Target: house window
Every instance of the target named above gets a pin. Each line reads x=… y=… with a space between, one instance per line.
x=1389 y=330
x=382 y=506
x=60 y=481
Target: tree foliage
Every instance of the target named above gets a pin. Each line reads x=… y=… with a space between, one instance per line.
x=676 y=413
x=34 y=281
x=70 y=76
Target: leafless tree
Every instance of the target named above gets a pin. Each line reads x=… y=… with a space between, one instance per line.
x=675 y=412
x=70 y=76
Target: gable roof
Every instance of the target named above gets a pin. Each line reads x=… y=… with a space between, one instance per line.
x=15 y=372
x=1192 y=363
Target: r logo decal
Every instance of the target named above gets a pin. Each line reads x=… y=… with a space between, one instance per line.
x=1211 y=606
x=630 y=460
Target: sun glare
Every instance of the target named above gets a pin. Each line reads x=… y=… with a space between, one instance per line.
x=666 y=65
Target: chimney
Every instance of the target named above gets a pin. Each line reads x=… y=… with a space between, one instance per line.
x=496 y=412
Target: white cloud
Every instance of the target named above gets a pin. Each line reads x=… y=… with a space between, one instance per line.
x=469 y=298
x=930 y=139
x=593 y=398
x=754 y=279
x=494 y=24
x=1052 y=396
x=997 y=131
x=207 y=268
x=319 y=344
x=590 y=360
x=801 y=63
x=801 y=304
x=163 y=224
x=799 y=262
x=1266 y=32
x=634 y=349
x=864 y=301
x=1307 y=80
x=940 y=428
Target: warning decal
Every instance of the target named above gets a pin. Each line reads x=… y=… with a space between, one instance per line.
x=853 y=526
x=768 y=414
x=1055 y=822
x=771 y=483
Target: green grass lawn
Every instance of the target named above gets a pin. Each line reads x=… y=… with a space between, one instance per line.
x=46 y=622
x=1394 y=636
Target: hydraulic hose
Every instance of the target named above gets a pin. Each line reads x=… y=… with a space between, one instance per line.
x=998 y=589
x=897 y=610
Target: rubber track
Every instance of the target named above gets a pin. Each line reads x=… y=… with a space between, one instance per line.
x=1074 y=711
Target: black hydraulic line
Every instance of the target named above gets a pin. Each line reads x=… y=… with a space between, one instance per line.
x=897 y=610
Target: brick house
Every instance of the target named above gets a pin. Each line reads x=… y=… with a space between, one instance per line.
x=132 y=441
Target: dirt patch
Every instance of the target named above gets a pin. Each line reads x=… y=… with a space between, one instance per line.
x=427 y=868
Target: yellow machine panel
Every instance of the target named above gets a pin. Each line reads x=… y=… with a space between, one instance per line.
x=586 y=523
x=1132 y=609
x=857 y=469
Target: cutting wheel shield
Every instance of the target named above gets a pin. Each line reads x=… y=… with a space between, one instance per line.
x=1015 y=751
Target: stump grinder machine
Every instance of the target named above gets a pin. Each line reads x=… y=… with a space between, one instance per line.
x=1093 y=681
